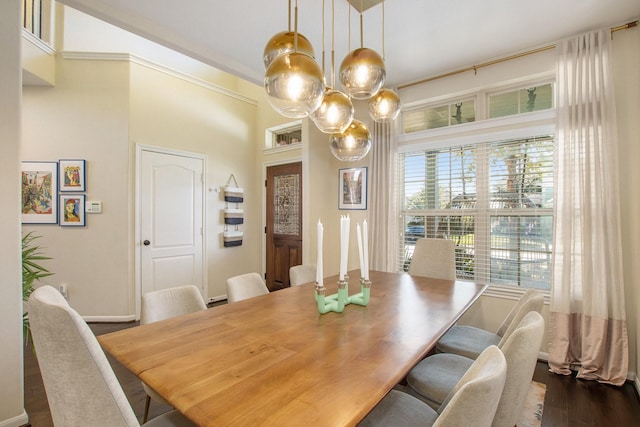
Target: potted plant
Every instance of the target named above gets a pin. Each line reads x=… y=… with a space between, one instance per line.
x=32 y=271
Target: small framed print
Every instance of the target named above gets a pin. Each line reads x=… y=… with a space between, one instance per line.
x=39 y=193
x=353 y=188
x=72 y=175
x=72 y=210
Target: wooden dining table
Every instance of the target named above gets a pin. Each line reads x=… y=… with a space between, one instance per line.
x=273 y=360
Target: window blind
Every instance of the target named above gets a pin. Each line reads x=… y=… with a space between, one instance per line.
x=494 y=199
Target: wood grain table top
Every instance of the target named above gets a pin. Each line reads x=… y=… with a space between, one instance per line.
x=274 y=360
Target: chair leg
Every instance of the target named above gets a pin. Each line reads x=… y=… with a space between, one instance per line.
x=146 y=409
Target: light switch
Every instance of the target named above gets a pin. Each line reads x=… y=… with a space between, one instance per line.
x=93 y=207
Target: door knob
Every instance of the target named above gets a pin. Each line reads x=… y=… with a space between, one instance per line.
x=146 y=243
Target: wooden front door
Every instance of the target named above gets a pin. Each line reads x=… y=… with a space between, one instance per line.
x=284 y=223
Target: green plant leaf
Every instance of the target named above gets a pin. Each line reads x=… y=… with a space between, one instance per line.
x=32 y=271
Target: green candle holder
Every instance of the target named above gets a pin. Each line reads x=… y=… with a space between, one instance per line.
x=336 y=302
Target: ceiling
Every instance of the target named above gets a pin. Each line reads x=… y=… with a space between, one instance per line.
x=422 y=38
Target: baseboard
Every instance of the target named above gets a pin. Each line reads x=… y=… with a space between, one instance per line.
x=109 y=319
x=636 y=383
x=216 y=299
x=18 y=421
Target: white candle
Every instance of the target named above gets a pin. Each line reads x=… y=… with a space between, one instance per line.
x=319 y=257
x=365 y=244
x=342 y=248
x=344 y=245
x=359 y=235
x=347 y=227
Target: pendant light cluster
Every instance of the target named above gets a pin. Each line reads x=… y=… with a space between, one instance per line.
x=296 y=87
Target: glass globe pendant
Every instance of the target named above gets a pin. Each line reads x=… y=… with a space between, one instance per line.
x=353 y=144
x=335 y=113
x=284 y=42
x=362 y=73
x=294 y=84
x=384 y=106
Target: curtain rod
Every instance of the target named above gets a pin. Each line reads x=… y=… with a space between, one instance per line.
x=475 y=68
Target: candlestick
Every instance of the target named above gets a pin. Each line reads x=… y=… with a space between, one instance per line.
x=365 y=244
x=319 y=275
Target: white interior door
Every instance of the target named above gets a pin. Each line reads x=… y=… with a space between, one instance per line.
x=171 y=221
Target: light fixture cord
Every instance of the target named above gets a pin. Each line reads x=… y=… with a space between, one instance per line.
x=333 y=55
x=289 y=14
x=383 y=55
x=349 y=28
x=323 y=73
x=361 y=32
x=295 y=33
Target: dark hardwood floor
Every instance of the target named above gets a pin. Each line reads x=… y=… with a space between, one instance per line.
x=568 y=402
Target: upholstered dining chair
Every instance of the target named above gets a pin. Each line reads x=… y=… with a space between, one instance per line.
x=81 y=387
x=434 y=258
x=300 y=274
x=245 y=286
x=163 y=304
x=472 y=402
x=469 y=341
x=434 y=377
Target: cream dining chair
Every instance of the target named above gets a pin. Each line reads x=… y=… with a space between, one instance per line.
x=164 y=304
x=301 y=274
x=469 y=341
x=245 y=286
x=472 y=402
x=82 y=389
x=434 y=258
x=434 y=377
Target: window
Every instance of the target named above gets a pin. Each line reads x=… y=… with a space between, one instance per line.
x=494 y=199
x=522 y=100
x=433 y=117
x=284 y=136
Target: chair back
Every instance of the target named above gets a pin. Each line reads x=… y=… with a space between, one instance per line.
x=81 y=386
x=172 y=302
x=521 y=352
x=531 y=300
x=434 y=258
x=474 y=399
x=245 y=286
x=300 y=274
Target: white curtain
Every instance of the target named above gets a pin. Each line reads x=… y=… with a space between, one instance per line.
x=588 y=330
x=382 y=214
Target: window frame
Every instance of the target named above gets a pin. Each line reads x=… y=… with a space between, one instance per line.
x=518 y=126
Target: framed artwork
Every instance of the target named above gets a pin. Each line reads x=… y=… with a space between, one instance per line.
x=39 y=193
x=352 y=188
x=72 y=175
x=72 y=211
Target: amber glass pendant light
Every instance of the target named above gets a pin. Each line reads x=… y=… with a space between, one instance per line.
x=384 y=106
x=353 y=144
x=294 y=81
x=284 y=42
x=362 y=71
x=336 y=110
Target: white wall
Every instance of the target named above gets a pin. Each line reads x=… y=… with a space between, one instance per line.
x=11 y=384
x=626 y=62
x=85 y=116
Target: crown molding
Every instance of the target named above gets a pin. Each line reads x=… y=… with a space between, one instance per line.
x=113 y=56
